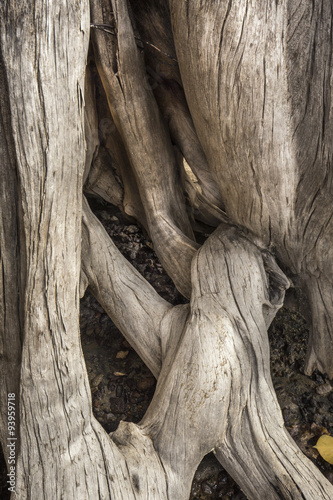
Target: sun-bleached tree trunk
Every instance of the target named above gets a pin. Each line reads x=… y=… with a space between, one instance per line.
x=219 y=119
x=262 y=109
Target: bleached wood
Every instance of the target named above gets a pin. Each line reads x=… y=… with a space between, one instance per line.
x=220 y=401
x=120 y=288
x=62 y=449
x=10 y=278
x=149 y=147
x=63 y=452
x=211 y=356
x=90 y=122
x=152 y=21
x=224 y=400
x=101 y=180
x=110 y=137
x=257 y=77
x=171 y=101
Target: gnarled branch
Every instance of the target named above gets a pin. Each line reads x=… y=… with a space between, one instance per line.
x=119 y=288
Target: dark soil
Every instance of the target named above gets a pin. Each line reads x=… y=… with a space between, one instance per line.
x=122 y=386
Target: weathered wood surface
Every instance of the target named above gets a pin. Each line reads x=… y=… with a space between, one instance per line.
x=110 y=160
x=63 y=453
x=119 y=288
x=243 y=118
x=211 y=358
x=149 y=147
x=62 y=449
x=10 y=278
x=224 y=401
x=152 y=20
x=258 y=80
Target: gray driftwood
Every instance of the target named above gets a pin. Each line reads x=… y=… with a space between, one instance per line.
x=236 y=119
x=258 y=79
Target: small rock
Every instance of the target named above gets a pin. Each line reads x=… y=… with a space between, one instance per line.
x=324 y=389
x=145 y=383
x=122 y=354
x=108 y=217
x=124 y=236
x=132 y=229
x=206 y=489
x=119 y=374
x=291 y=414
x=90 y=330
x=97 y=380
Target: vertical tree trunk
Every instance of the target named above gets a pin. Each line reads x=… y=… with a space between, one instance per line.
x=258 y=80
x=11 y=281
x=45 y=55
x=63 y=452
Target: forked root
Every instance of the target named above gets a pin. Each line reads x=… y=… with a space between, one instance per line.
x=215 y=390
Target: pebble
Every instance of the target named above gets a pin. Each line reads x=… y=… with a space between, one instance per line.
x=206 y=489
x=145 y=383
x=122 y=354
x=90 y=330
x=324 y=389
x=107 y=217
x=97 y=380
